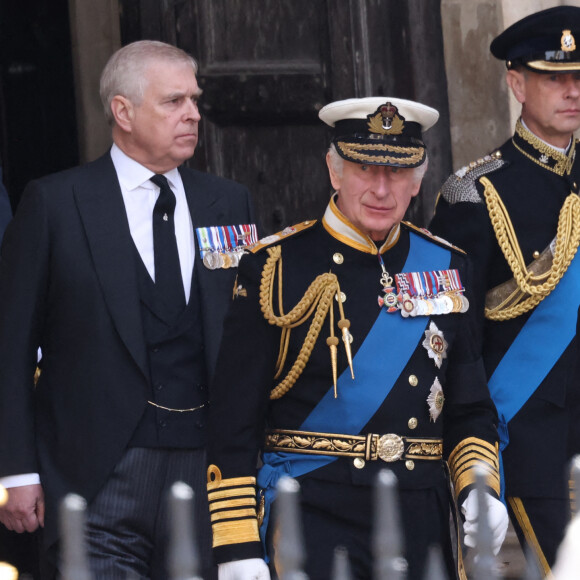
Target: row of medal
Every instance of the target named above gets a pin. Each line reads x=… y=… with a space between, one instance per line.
x=425 y=293
x=445 y=304
x=223 y=246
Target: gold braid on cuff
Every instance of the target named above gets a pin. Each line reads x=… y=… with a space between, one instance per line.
x=466 y=457
x=232 y=505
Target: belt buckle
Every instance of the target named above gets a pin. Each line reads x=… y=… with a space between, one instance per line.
x=391 y=447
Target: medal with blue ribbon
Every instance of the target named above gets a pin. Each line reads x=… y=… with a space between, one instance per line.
x=222 y=246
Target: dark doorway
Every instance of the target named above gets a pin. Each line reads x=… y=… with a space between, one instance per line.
x=37 y=107
x=37 y=136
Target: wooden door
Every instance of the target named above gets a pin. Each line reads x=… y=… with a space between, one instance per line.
x=268 y=66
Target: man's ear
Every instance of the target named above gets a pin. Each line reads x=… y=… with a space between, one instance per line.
x=417 y=187
x=123 y=112
x=516 y=81
x=335 y=179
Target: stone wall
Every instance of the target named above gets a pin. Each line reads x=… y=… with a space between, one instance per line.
x=95 y=34
x=482 y=113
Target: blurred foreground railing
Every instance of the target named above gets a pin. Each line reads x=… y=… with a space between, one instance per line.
x=387 y=547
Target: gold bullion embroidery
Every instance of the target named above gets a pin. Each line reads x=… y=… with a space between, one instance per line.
x=232 y=505
x=544 y=153
x=468 y=454
x=353 y=150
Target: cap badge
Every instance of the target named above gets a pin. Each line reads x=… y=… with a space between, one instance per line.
x=568 y=42
x=386 y=120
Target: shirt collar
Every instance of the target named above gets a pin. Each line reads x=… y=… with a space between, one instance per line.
x=339 y=227
x=132 y=174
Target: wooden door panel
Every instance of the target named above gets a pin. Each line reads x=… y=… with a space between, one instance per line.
x=285 y=166
x=264 y=76
x=268 y=66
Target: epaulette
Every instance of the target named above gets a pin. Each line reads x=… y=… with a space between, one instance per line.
x=282 y=235
x=461 y=185
x=425 y=233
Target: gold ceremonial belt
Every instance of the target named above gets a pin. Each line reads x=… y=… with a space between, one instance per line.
x=389 y=447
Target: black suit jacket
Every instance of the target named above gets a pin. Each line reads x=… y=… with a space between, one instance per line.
x=5 y=210
x=68 y=284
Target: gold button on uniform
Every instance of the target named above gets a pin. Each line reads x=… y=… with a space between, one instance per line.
x=413 y=380
x=536 y=255
x=338 y=258
x=412 y=423
x=342 y=297
x=410 y=464
x=359 y=462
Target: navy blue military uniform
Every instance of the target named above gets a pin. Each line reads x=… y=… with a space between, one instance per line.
x=536 y=459
x=535 y=182
x=336 y=498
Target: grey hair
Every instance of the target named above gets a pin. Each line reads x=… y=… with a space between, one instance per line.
x=336 y=161
x=124 y=73
x=337 y=164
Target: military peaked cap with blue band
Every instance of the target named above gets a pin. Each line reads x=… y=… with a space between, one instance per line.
x=380 y=130
x=544 y=42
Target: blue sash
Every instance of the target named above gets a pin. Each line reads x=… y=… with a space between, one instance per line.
x=535 y=350
x=359 y=399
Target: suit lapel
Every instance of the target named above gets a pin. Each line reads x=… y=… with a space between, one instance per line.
x=207 y=208
x=104 y=218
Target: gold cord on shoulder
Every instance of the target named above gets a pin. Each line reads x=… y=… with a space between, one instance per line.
x=532 y=288
x=318 y=300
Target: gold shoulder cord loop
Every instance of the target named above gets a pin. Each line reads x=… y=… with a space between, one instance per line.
x=318 y=300
x=532 y=288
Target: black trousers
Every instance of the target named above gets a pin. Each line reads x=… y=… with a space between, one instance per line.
x=128 y=523
x=540 y=524
x=342 y=515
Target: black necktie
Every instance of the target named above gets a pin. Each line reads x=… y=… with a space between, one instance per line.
x=168 y=280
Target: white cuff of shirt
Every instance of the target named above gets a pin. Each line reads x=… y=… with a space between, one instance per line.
x=20 y=480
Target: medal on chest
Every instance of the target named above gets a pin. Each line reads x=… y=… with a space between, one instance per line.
x=435 y=400
x=422 y=293
x=435 y=344
x=389 y=300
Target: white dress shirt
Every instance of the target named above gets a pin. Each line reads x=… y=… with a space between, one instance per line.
x=139 y=196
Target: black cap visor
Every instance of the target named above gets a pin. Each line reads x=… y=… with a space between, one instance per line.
x=553 y=62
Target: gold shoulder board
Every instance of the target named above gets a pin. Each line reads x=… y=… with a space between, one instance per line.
x=282 y=235
x=432 y=237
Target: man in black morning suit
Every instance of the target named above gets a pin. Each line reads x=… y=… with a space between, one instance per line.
x=119 y=411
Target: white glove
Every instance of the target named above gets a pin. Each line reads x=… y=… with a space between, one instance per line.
x=250 y=569
x=497 y=517
x=568 y=558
